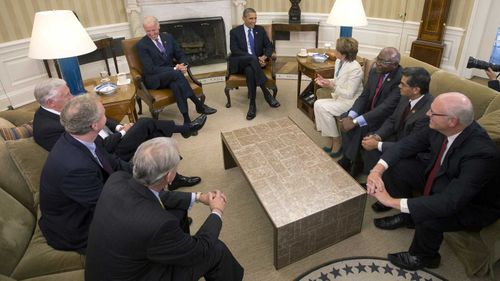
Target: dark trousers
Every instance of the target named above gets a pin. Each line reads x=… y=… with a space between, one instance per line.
x=143 y=130
x=249 y=65
x=176 y=81
x=220 y=265
x=351 y=142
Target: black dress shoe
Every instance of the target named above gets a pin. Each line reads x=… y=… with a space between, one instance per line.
x=196 y=125
x=271 y=100
x=205 y=109
x=393 y=222
x=252 y=112
x=379 y=207
x=181 y=181
x=410 y=262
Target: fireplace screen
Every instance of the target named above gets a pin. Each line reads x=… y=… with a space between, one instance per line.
x=203 y=40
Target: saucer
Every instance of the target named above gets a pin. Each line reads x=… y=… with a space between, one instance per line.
x=302 y=55
x=106 y=88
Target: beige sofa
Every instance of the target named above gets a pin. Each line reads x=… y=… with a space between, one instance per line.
x=478 y=251
x=24 y=253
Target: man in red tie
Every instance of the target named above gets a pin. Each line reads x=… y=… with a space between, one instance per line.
x=375 y=104
x=459 y=183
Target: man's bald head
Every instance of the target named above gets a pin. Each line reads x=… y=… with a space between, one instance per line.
x=458 y=105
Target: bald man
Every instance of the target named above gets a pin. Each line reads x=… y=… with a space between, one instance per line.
x=459 y=184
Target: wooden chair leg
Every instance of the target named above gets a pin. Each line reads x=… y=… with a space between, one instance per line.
x=226 y=91
x=139 y=104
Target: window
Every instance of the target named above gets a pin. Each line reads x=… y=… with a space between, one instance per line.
x=495 y=54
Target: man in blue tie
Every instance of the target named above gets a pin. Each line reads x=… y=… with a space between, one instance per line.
x=250 y=51
x=157 y=53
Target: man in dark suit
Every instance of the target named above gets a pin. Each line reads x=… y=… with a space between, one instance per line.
x=74 y=174
x=251 y=50
x=375 y=104
x=459 y=184
x=140 y=232
x=408 y=118
x=122 y=140
x=157 y=53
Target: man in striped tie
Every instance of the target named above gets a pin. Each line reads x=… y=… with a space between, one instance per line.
x=459 y=184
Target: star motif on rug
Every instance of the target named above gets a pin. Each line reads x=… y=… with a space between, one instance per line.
x=374 y=267
x=401 y=272
x=416 y=277
x=360 y=267
x=348 y=269
x=388 y=269
x=324 y=277
x=335 y=272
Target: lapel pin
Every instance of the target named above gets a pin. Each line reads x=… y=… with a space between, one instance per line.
x=388 y=79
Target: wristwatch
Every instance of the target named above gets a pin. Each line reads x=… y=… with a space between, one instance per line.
x=355 y=122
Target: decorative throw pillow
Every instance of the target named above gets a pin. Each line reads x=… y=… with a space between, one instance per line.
x=490 y=122
x=15 y=133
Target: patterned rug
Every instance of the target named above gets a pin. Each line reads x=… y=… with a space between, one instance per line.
x=365 y=268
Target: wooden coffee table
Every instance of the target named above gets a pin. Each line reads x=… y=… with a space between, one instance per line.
x=311 y=201
x=119 y=104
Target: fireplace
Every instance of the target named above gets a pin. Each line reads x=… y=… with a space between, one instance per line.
x=203 y=40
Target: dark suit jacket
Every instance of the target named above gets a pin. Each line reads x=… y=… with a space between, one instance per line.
x=47 y=129
x=238 y=45
x=415 y=121
x=155 y=64
x=386 y=102
x=494 y=84
x=133 y=238
x=466 y=185
x=70 y=184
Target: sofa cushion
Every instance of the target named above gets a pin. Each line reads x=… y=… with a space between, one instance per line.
x=29 y=158
x=481 y=96
x=41 y=259
x=4 y=123
x=491 y=123
x=16 y=228
x=12 y=181
x=15 y=133
x=76 y=275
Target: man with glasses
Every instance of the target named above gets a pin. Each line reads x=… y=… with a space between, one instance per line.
x=408 y=118
x=141 y=232
x=459 y=185
x=375 y=104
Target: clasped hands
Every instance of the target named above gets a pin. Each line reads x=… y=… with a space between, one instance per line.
x=216 y=200
x=347 y=124
x=376 y=188
x=181 y=67
x=263 y=61
x=370 y=142
x=323 y=82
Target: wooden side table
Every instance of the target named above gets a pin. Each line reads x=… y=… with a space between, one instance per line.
x=305 y=100
x=119 y=104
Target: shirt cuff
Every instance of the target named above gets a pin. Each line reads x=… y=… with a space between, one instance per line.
x=403 y=205
x=118 y=127
x=122 y=132
x=379 y=146
x=352 y=114
x=383 y=163
x=361 y=121
x=193 y=199
x=217 y=213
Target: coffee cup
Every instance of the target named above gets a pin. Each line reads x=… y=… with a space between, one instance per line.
x=303 y=52
x=328 y=46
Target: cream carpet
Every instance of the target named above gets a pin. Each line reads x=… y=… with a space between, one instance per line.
x=246 y=229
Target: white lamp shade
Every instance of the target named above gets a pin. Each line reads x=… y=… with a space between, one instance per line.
x=58 y=34
x=347 y=13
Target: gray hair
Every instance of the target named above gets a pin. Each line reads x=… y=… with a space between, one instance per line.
x=150 y=20
x=393 y=53
x=80 y=113
x=48 y=89
x=459 y=106
x=153 y=159
x=248 y=11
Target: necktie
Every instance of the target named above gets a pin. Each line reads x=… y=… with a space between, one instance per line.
x=251 y=41
x=104 y=162
x=435 y=169
x=159 y=45
x=377 y=90
x=403 y=117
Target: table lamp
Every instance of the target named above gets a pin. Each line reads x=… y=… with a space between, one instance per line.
x=346 y=14
x=59 y=35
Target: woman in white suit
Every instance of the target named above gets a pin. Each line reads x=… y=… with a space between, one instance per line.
x=343 y=89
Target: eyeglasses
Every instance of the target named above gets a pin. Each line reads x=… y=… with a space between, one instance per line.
x=402 y=84
x=431 y=113
x=379 y=61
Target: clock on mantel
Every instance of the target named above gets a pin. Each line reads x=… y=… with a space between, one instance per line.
x=429 y=44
